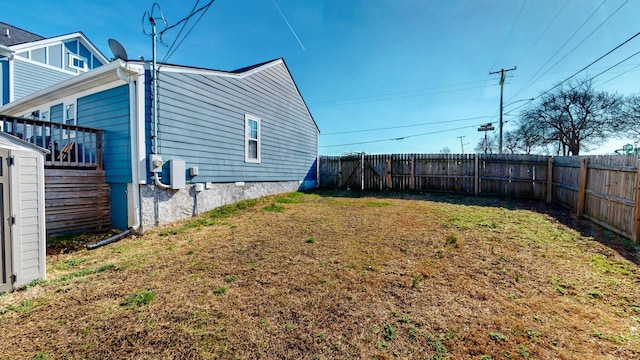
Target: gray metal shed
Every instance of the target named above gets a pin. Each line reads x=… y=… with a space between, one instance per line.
x=22 y=220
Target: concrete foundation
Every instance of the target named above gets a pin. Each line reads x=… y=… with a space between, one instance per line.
x=181 y=204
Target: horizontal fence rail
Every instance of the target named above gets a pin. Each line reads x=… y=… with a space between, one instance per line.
x=69 y=145
x=603 y=189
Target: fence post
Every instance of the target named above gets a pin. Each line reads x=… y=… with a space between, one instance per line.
x=476 y=174
x=339 y=172
x=584 y=166
x=412 y=180
x=318 y=159
x=550 y=179
x=388 y=178
x=636 y=227
x=362 y=171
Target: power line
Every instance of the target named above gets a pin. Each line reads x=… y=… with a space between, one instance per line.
x=583 y=40
x=402 y=137
x=531 y=80
x=543 y=32
x=513 y=26
x=586 y=67
x=202 y=9
x=184 y=24
x=390 y=96
x=622 y=73
x=405 y=126
x=593 y=62
x=186 y=18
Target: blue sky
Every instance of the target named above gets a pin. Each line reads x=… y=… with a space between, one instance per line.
x=381 y=76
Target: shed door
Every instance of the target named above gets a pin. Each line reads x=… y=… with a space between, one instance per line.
x=5 y=229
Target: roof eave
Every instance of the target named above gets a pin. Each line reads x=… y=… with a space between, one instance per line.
x=92 y=48
x=92 y=79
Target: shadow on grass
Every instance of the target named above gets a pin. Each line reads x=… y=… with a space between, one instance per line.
x=622 y=245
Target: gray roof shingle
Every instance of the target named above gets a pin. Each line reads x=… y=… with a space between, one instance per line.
x=11 y=35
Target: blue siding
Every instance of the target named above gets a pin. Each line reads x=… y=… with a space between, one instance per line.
x=118 y=194
x=30 y=77
x=57 y=113
x=202 y=122
x=69 y=47
x=109 y=110
x=4 y=81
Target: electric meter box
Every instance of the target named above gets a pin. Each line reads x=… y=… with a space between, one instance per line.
x=177 y=174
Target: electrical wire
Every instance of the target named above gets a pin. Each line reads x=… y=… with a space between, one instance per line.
x=584 y=68
x=506 y=40
x=583 y=40
x=388 y=97
x=610 y=67
x=407 y=126
x=184 y=20
x=543 y=32
x=531 y=80
x=401 y=137
x=617 y=76
x=184 y=24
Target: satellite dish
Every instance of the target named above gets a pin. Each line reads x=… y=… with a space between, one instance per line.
x=118 y=50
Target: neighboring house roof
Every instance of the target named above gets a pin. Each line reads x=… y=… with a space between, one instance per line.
x=11 y=35
x=109 y=72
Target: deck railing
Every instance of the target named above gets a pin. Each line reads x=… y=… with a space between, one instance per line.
x=70 y=146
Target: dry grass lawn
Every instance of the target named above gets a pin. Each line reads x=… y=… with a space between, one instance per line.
x=335 y=275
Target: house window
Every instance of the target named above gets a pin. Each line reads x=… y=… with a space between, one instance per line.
x=70 y=114
x=77 y=62
x=251 y=139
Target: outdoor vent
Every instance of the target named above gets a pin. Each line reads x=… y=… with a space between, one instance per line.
x=7 y=34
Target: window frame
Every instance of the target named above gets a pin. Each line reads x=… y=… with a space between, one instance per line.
x=73 y=57
x=248 y=138
x=65 y=115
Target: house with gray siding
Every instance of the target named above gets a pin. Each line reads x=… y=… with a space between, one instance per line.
x=30 y=62
x=217 y=137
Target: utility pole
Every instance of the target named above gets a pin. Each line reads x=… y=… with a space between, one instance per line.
x=461 y=144
x=501 y=72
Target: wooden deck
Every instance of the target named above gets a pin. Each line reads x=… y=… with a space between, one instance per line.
x=77 y=196
x=70 y=146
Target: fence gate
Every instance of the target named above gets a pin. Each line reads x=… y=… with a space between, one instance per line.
x=6 y=283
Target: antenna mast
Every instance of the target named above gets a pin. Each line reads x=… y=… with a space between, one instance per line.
x=154 y=72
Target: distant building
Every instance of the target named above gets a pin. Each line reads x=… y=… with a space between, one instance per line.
x=30 y=62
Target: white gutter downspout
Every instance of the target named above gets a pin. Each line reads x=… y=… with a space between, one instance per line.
x=133 y=204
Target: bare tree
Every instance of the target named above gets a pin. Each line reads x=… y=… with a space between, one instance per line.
x=631 y=116
x=445 y=150
x=575 y=116
x=492 y=145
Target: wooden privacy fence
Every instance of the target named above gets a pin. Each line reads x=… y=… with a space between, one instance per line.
x=76 y=200
x=603 y=189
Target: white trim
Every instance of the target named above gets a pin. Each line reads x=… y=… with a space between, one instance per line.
x=187 y=70
x=87 y=83
x=50 y=67
x=61 y=39
x=67 y=100
x=137 y=112
x=11 y=97
x=72 y=57
x=247 y=138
